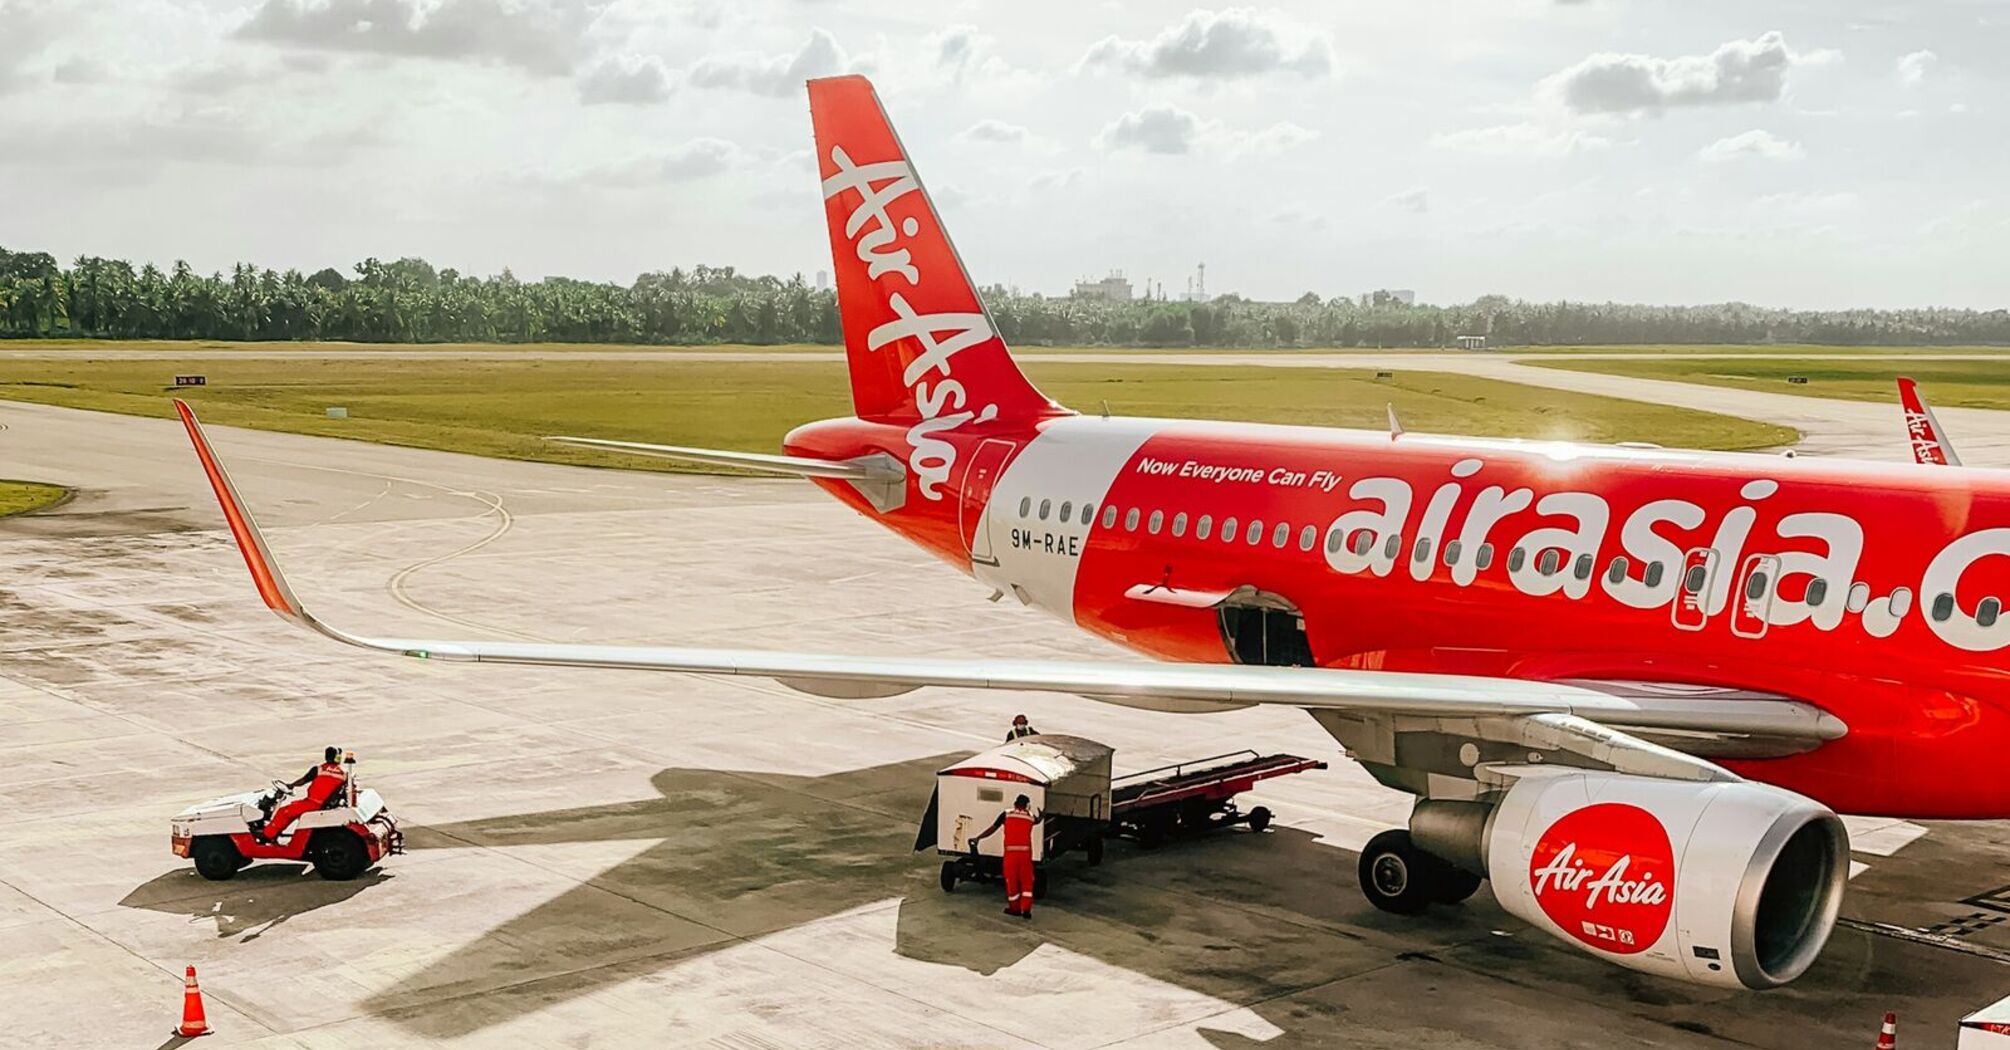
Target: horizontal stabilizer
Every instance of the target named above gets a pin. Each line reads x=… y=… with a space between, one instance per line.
x=880 y=468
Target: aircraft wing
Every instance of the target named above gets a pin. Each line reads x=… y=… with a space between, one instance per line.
x=1929 y=442
x=1568 y=716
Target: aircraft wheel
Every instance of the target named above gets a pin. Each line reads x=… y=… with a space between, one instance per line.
x=1396 y=876
x=1455 y=885
x=338 y=854
x=216 y=857
x=948 y=878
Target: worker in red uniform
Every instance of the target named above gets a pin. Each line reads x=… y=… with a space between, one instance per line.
x=323 y=783
x=1018 y=823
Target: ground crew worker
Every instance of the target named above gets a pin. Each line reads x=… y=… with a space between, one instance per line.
x=1018 y=823
x=323 y=783
x=1020 y=727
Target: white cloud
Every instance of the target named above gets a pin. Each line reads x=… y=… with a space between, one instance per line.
x=1153 y=129
x=1210 y=45
x=80 y=69
x=1762 y=145
x=1736 y=72
x=776 y=76
x=631 y=80
x=541 y=36
x=697 y=159
x=1912 y=67
x=989 y=130
x=1520 y=140
x=1055 y=180
x=1416 y=201
x=25 y=30
x=1167 y=129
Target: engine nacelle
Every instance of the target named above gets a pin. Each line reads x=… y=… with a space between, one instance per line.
x=1730 y=884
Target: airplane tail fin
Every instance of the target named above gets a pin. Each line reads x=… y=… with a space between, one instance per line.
x=1929 y=442
x=918 y=340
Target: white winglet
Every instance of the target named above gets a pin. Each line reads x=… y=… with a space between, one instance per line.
x=1929 y=442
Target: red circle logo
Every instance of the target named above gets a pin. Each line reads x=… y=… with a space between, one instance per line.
x=1606 y=875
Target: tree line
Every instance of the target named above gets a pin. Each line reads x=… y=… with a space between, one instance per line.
x=409 y=301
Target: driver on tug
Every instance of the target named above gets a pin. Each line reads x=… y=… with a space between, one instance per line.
x=323 y=782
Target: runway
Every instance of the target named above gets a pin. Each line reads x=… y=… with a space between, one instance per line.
x=626 y=859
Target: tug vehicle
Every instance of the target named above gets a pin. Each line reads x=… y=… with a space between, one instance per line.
x=343 y=839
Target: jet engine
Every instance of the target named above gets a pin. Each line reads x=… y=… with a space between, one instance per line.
x=1729 y=884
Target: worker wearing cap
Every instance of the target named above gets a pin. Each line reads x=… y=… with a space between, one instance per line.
x=1018 y=823
x=323 y=783
x=1020 y=727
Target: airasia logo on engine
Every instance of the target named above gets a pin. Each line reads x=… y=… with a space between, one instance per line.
x=1606 y=875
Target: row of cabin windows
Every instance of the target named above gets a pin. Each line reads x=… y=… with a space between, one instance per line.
x=1548 y=562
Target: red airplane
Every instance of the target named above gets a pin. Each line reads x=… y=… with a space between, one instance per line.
x=1631 y=686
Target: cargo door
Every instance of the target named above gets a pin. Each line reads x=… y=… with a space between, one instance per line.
x=1758 y=579
x=978 y=481
x=1692 y=589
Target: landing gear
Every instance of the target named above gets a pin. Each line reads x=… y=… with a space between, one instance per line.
x=1400 y=878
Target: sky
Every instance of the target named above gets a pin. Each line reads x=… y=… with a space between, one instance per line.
x=1812 y=154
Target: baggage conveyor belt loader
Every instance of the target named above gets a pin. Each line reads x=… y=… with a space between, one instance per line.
x=1068 y=779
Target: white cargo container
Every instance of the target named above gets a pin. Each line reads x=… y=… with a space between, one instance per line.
x=1987 y=1028
x=1067 y=779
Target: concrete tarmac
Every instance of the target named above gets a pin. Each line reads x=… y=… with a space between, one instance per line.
x=628 y=859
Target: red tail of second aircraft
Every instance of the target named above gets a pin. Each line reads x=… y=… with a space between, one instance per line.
x=921 y=347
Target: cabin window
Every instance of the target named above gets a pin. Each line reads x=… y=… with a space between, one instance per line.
x=1582 y=570
x=1179 y=524
x=1818 y=591
x=1392 y=547
x=1484 y=560
x=1549 y=561
x=1859 y=597
x=1025 y=507
x=1517 y=557
x=1655 y=570
x=1109 y=517
x=1280 y=535
x=1046 y=505
x=1204 y=527
x=1228 y=530
x=1755 y=586
x=1307 y=537
x=1451 y=552
x=1067 y=511
x=1334 y=541
x=1088 y=513
x=1617 y=571
x=1985 y=613
x=1157 y=522
x=1422 y=552
x=1131 y=520
x=1943 y=607
x=1363 y=540
x=1692 y=581
x=1253 y=533
x=1901 y=601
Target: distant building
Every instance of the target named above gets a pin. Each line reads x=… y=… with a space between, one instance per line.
x=1115 y=288
x=1472 y=342
x=1389 y=297
x=1196 y=285
x=823 y=280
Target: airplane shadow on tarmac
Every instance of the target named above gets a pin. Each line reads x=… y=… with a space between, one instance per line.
x=1235 y=916
x=255 y=902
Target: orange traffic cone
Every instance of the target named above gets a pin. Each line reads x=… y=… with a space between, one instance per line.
x=193 y=1023
x=1887 y=1037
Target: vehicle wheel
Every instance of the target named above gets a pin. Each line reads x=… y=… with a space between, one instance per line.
x=338 y=854
x=1455 y=885
x=949 y=876
x=1259 y=818
x=1039 y=884
x=216 y=857
x=1396 y=876
x=1152 y=832
x=1095 y=849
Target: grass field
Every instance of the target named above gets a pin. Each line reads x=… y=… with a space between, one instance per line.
x=503 y=408
x=83 y=347
x=1972 y=384
x=20 y=497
